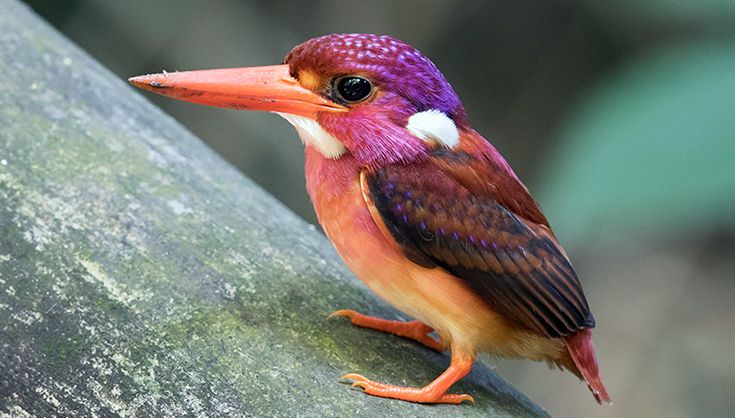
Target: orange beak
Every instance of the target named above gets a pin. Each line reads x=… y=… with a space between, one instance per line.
x=269 y=89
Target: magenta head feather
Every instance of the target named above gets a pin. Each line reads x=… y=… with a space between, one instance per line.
x=393 y=65
x=403 y=83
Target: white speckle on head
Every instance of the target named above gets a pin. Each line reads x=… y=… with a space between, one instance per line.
x=434 y=126
x=312 y=134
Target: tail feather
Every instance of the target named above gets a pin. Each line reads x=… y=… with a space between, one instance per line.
x=582 y=352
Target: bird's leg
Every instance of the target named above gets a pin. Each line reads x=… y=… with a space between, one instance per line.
x=434 y=392
x=415 y=330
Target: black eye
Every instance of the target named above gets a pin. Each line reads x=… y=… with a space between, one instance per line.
x=353 y=89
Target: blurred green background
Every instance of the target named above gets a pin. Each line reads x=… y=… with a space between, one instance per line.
x=620 y=117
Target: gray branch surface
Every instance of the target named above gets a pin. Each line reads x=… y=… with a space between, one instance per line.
x=141 y=275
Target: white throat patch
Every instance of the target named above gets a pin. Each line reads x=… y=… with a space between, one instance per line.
x=312 y=134
x=434 y=126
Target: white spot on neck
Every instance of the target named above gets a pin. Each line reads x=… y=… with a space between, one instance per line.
x=312 y=134
x=433 y=126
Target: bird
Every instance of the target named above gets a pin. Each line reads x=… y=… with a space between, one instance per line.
x=420 y=206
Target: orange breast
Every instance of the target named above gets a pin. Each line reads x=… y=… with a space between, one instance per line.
x=433 y=296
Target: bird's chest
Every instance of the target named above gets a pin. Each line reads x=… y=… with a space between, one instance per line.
x=334 y=189
x=374 y=258
x=431 y=295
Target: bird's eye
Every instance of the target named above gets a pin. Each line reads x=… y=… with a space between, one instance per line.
x=353 y=89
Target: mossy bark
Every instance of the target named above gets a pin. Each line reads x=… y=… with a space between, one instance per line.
x=141 y=275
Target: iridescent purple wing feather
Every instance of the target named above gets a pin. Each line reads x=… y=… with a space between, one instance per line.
x=508 y=261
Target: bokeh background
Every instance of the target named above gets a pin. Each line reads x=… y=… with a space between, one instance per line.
x=619 y=115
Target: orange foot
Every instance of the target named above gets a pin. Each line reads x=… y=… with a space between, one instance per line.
x=415 y=330
x=435 y=392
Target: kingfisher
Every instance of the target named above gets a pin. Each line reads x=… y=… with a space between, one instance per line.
x=422 y=208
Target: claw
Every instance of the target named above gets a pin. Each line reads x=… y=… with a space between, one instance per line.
x=342 y=312
x=435 y=392
x=422 y=395
x=415 y=330
x=353 y=376
x=361 y=385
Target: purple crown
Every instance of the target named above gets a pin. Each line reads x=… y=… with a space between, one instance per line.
x=390 y=63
